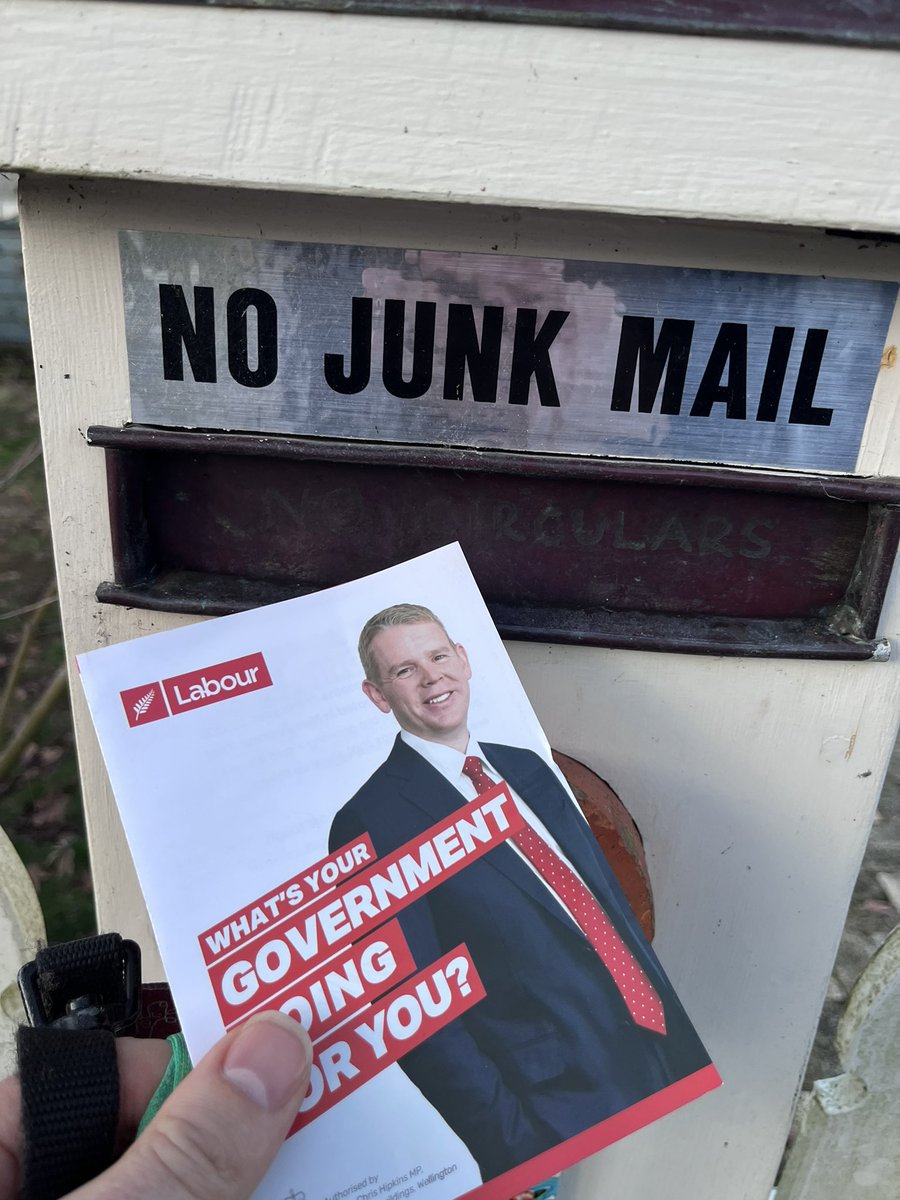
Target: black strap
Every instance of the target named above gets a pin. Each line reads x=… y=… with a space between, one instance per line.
x=77 y=996
x=70 y=1107
x=97 y=976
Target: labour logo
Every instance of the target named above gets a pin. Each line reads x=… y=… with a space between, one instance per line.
x=222 y=681
x=144 y=704
x=195 y=689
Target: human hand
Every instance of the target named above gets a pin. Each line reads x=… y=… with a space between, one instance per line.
x=215 y=1136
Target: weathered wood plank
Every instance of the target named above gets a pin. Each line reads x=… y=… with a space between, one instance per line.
x=474 y=112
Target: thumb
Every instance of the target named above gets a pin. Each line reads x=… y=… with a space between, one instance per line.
x=216 y=1135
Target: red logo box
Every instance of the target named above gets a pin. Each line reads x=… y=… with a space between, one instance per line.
x=222 y=681
x=144 y=704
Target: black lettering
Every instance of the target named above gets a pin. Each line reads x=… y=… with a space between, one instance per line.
x=531 y=356
x=639 y=357
x=423 y=349
x=802 y=410
x=360 y=352
x=763 y=546
x=180 y=333
x=672 y=530
x=776 y=369
x=465 y=350
x=266 y=337
x=729 y=351
x=619 y=540
x=587 y=537
x=714 y=529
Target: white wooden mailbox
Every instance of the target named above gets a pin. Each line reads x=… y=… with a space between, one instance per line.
x=726 y=650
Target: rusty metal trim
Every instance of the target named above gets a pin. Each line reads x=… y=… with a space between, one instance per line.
x=831 y=21
x=866 y=592
x=216 y=596
x=846 y=632
x=870 y=490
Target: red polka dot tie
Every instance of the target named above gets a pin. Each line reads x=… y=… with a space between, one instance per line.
x=637 y=991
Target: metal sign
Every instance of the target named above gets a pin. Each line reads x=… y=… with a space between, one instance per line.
x=537 y=354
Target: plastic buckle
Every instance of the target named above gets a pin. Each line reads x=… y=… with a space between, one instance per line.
x=88 y=1011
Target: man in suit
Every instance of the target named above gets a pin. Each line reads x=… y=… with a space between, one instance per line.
x=579 y=1021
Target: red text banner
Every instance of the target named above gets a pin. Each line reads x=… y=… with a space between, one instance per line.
x=220 y=681
x=347 y=983
x=256 y=919
x=311 y=937
x=382 y=1034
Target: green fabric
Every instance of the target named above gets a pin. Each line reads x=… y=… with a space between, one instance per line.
x=179 y=1067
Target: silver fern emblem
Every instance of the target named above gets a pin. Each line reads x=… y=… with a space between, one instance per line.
x=143 y=704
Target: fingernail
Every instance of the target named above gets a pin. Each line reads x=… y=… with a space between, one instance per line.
x=268 y=1059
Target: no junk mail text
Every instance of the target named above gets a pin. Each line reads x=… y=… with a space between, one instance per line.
x=653 y=356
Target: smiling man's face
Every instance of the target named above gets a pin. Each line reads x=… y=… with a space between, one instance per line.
x=423 y=679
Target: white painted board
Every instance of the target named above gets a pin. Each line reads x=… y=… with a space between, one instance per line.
x=469 y=111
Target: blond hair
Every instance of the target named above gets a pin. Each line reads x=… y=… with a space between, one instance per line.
x=397 y=614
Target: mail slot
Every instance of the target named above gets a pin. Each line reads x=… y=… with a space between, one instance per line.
x=565 y=549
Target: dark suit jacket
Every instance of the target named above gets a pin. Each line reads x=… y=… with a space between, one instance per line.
x=552 y=1049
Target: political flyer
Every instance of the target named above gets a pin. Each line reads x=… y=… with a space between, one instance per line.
x=343 y=807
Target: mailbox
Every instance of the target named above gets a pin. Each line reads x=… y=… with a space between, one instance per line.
x=636 y=363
